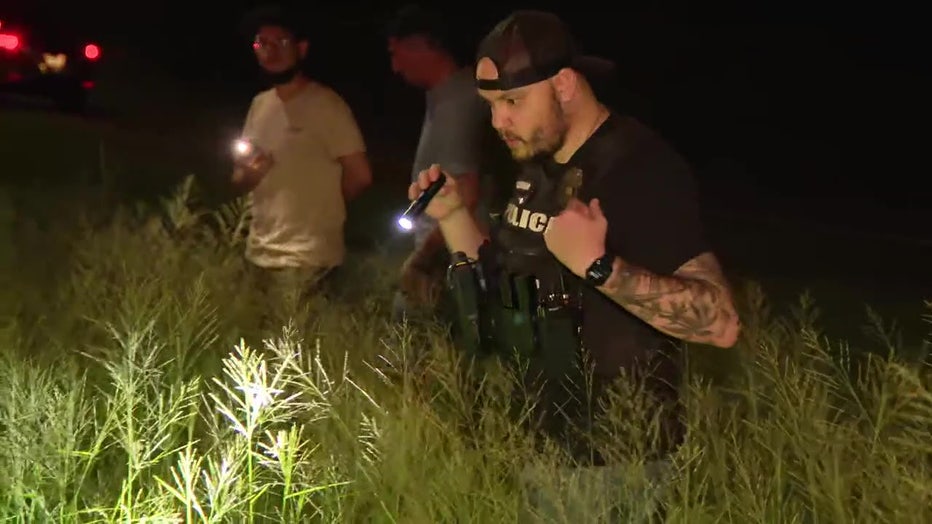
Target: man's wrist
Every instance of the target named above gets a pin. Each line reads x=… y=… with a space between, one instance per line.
x=455 y=215
x=456 y=220
x=600 y=269
x=621 y=273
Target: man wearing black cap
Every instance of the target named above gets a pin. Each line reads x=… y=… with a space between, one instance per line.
x=603 y=228
x=311 y=159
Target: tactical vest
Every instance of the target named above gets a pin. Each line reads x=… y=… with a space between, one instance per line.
x=538 y=195
x=529 y=304
x=518 y=302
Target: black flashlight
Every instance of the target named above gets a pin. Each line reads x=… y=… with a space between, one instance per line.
x=417 y=207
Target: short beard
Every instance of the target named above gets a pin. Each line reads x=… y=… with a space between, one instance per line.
x=281 y=77
x=545 y=147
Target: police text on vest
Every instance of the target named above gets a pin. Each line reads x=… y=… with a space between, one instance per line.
x=531 y=220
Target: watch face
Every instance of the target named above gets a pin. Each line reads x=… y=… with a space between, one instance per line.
x=600 y=270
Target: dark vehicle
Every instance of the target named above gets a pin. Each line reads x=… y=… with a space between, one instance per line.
x=48 y=63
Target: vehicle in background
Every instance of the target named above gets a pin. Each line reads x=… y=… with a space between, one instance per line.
x=47 y=63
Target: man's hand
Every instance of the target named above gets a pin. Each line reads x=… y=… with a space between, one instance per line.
x=576 y=237
x=249 y=171
x=693 y=304
x=449 y=207
x=446 y=201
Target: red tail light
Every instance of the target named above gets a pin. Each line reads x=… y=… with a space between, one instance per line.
x=9 y=42
x=92 y=51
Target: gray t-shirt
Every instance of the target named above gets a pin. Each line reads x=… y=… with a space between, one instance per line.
x=455 y=121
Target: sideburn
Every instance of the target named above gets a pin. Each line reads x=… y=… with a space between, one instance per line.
x=552 y=144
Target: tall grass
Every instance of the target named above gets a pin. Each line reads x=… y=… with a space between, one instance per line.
x=142 y=382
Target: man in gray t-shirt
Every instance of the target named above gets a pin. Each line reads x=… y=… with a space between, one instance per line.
x=451 y=135
x=454 y=134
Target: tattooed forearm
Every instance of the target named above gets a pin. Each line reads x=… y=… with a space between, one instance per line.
x=694 y=304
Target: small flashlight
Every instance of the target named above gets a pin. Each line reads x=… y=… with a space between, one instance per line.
x=417 y=207
x=242 y=147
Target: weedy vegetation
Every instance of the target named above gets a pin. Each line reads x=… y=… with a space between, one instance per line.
x=145 y=380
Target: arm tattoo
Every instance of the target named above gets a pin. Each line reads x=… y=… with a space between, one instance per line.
x=694 y=304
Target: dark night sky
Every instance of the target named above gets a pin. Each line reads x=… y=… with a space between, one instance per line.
x=791 y=98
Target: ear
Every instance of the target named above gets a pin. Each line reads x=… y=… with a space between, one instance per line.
x=302 y=48
x=566 y=84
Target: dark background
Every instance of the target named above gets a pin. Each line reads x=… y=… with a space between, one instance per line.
x=818 y=106
x=802 y=99
x=812 y=112
x=806 y=122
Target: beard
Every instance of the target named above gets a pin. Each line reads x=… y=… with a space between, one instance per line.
x=277 y=78
x=546 y=139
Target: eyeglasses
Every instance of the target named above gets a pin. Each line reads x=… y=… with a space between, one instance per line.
x=265 y=44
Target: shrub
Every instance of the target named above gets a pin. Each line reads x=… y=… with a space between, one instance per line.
x=142 y=382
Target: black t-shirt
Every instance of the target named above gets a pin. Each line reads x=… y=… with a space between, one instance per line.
x=649 y=198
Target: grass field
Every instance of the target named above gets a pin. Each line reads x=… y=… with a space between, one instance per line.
x=145 y=380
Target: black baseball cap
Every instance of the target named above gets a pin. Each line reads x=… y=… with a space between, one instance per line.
x=531 y=46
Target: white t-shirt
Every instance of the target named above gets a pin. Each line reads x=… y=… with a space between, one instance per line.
x=298 y=209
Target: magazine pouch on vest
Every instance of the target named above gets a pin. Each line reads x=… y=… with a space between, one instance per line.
x=466 y=282
x=517 y=299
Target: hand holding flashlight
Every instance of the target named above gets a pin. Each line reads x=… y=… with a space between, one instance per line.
x=251 y=159
x=433 y=194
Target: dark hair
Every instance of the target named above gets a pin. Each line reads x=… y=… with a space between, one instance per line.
x=289 y=18
x=414 y=20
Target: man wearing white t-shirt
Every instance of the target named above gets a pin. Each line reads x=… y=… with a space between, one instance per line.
x=310 y=161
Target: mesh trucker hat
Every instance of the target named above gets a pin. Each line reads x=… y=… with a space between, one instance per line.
x=531 y=46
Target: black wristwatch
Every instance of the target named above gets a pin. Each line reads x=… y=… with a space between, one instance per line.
x=600 y=270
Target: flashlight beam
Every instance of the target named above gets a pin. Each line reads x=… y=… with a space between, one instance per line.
x=242 y=147
x=405 y=223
